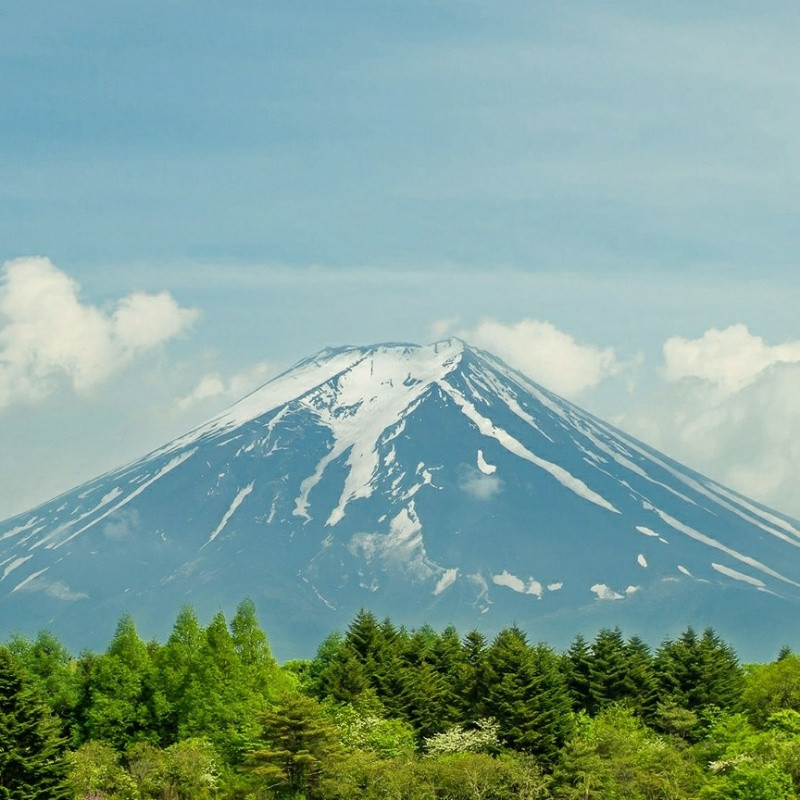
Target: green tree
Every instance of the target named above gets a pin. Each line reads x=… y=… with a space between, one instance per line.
x=336 y=671
x=175 y=664
x=576 y=665
x=32 y=765
x=116 y=702
x=615 y=756
x=527 y=695
x=772 y=687
x=697 y=671
x=217 y=702
x=259 y=669
x=51 y=671
x=364 y=726
x=297 y=743
x=608 y=670
x=95 y=771
x=471 y=680
x=748 y=764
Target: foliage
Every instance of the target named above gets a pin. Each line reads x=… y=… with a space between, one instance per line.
x=363 y=726
x=296 y=743
x=483 y=738
x=384 y=712
x=32 y=766
x=615 y=755
x=772 y=687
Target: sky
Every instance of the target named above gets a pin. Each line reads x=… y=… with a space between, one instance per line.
x=194 y=196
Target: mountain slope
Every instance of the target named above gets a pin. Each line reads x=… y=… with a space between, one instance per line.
x=429 y=483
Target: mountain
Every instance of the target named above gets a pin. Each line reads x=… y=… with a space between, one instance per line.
x=431 y=484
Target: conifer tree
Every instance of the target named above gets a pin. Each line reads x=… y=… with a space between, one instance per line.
x=51 y=672
x=699 y=671
x=608 y=671
x=576 y=666
x=216 y=702
x=528 y=695
x=116 y=703
x=426 y=700
x=472 y=683
x=174 y=667
x=642 y=686
x=31 y=752
x=260 y=670
x=343 y=678
x=365 y=638
x=297 y=742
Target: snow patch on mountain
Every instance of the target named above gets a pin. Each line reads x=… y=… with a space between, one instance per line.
x=237 y=501
x=16 y=563
x=505 y=578
x=739 y=576
x=605 y=592
x=700 y=537
x=403 y=547
x=487 y=428
x=446 y=581
x=483 y=466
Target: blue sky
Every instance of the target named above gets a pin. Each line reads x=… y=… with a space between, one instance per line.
x=302 y=175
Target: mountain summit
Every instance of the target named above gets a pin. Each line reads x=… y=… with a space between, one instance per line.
x=432 y=484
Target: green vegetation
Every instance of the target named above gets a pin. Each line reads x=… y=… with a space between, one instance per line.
x=391 y=714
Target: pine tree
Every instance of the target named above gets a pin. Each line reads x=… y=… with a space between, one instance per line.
x=426 y=700
x=642 y=686
x=472 y=683
x=723 y=679
x=695 y=672
x=343 y=678
x=365 y=638
x=608 y=671
x=32 y=766
x=576 y=666
x=297 y=743
x=50 y=669
x=528 y=695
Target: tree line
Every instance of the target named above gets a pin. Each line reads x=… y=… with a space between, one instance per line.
x=386 y=712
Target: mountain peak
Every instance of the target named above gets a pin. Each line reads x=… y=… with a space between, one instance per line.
x=432 y=483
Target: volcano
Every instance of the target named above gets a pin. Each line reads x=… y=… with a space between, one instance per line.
x=432 y=484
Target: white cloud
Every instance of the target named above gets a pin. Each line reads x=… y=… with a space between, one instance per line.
x=480 y=486
x=55 y=589
x=122 y=524
x=49 y=335
x=213 y=386
x=441 y=327
x=731 y=358
x=545 y=354
x=735 y=421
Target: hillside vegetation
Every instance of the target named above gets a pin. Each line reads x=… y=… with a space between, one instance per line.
x=384 y=712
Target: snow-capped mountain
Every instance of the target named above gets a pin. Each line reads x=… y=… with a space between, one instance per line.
x=431 y=484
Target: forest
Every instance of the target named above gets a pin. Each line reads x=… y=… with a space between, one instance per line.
x=385 y=712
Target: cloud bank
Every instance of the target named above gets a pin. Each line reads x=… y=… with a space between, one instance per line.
x=730 y=359
x=213 y=386
x=48 y=336
x=542 y=352
x=729 y=408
